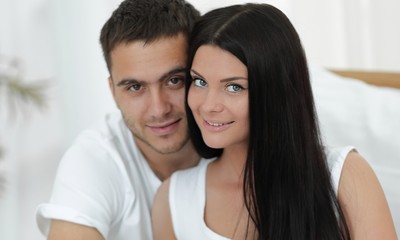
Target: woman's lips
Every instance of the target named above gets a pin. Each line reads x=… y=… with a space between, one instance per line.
x=216 y=126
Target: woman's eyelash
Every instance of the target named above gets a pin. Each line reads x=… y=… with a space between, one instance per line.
x=234 y=87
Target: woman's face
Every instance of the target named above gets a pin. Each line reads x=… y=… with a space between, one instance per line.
x=218 y=97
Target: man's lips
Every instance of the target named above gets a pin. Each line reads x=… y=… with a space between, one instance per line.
x=165 y=128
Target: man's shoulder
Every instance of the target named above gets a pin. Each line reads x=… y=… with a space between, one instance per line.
x=103 y=151
x=108 y=140
x=106 y=150
x=110 y=125
x=106 y=133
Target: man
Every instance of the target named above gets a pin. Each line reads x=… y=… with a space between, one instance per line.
x=106 y=181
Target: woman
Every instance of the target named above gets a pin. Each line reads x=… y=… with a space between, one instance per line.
x=251 y=109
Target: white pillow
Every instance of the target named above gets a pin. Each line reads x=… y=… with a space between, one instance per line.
x=352 y=112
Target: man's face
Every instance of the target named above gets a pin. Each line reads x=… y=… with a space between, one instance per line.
x=147 y=82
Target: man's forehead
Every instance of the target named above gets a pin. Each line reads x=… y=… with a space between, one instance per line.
x=179 y=39
x=148 y=61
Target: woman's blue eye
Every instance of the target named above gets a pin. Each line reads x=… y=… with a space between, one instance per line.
x=234 y=88
x=199 y=82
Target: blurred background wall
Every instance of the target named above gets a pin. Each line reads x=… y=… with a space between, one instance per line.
x=57 y=40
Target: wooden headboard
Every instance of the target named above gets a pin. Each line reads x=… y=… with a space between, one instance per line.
x=386 y=79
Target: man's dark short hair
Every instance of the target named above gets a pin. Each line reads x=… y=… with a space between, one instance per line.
x=146 y=20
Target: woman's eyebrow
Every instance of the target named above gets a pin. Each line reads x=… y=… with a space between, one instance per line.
x=222 y=80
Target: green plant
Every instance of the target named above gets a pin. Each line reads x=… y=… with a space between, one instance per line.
x=15 y=94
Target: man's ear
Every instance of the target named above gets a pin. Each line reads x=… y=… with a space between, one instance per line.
x=111 y=85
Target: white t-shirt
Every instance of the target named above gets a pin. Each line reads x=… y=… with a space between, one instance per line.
x=187 y=197
x=103 y=181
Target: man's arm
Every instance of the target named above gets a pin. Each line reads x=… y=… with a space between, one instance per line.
x=86 y=184
x=62 y=230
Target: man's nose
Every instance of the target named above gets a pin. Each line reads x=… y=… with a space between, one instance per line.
x=160 y=104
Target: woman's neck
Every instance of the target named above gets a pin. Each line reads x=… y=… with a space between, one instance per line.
x=233 y=160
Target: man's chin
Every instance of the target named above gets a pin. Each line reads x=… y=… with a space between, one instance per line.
x=163 y=145
x=168 y=149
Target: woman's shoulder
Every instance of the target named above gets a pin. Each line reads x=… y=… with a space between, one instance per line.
x=184 y=176
x=192 y=172
x=336 y=156
x=357 y=176
x=363 y=201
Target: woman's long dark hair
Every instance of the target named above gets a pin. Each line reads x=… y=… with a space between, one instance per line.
x=287 y=184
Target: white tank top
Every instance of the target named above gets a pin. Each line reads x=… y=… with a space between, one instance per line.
x=187 y=196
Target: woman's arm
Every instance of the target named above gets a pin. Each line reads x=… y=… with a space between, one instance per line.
x=161 y=214
x=363 y=201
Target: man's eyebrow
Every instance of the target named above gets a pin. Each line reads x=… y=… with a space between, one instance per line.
x=172 y=72
x=130 y=81
x=222 y=80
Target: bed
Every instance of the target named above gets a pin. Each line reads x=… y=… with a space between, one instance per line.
x=382 y=79
x=362 y=109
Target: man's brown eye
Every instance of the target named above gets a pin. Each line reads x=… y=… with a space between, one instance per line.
x=135 y=87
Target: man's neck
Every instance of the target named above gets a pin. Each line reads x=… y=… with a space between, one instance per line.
x=163 y=165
